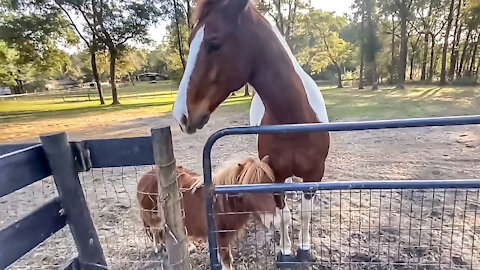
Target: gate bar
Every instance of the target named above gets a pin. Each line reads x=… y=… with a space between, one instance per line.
x=296 y=128
x=349 y=185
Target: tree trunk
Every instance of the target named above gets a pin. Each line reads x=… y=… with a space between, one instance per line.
x=443 y=73
x=464 y=52
x=362 y=47
x=189 y=14
x=432 y=60
x=131 y=78
x=425 y=58
x=478 y=68
x=247 y=93
x=19 y=88
x=456 y=39
x=179 y=36
x=392 y=69
x=474 y=55
x=113 y=83
x=374 y=74
x=339 y=73
x=96 y=77
x=410 y=76
x=403 y=49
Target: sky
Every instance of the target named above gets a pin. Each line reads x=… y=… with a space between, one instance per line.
x=158 y=31
x=338 y=6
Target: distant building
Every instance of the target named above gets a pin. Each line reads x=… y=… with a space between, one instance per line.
x=5 y=91
x=62 y=82
x=150 y=76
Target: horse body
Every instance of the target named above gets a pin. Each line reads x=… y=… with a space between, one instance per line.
x=234 y=44
x=232 y=212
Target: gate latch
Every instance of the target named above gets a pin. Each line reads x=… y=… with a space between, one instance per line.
x=81 y=155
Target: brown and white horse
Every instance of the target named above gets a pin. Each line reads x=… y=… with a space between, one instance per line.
x=232 y=212
x=233 y=44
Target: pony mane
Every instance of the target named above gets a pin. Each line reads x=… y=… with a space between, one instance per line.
x=246 y=171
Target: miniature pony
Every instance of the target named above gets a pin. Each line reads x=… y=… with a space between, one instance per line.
x=231 y=212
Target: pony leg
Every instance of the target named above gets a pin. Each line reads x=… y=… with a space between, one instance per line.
x=305 y=218
x=280 y=222
x=226 y=258
x=155 y=247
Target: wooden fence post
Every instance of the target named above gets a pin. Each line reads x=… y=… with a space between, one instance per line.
x=176 y=241
x=72 y=200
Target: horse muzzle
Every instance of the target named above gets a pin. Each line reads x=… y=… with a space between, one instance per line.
x=190 y=125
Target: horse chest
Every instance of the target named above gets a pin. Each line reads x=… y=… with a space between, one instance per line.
x=298 y=154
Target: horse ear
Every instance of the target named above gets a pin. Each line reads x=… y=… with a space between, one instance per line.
x=233 y=8
x=241 y=166
x=265 y=159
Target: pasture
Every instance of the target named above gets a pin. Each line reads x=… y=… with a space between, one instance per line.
x=420 y=153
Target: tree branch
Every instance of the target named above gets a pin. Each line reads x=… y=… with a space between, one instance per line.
x=72 y=23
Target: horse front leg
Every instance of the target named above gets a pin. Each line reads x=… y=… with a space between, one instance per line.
x=303 y=253
x=280 y=222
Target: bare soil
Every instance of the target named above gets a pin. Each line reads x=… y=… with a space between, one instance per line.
x=355 y=230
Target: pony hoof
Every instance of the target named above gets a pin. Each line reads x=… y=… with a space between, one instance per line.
x=285 y=261
x=305 y=256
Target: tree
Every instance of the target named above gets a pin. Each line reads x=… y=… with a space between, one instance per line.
x=403 y=14
x=91 y=39
x=156 y=60
x=130 y=62
x=320 y=30
x=284 y=14
x=179 y=29
x=370 y=43
x=30 y=42
x=116 y=23
x=361 y=6
x=443 y=73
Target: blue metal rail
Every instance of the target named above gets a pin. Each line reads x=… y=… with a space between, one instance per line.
x=343 y=126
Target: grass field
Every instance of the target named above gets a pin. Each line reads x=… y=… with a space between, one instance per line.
x=147 y=100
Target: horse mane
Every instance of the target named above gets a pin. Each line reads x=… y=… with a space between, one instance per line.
x=247 y=171
x=203 y=8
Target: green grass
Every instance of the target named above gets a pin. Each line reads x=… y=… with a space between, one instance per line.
x=388 y=103
x=342 y=104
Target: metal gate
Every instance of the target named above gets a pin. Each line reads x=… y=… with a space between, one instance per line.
x=418 y=224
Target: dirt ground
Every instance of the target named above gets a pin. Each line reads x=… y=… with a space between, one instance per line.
x=355 y=230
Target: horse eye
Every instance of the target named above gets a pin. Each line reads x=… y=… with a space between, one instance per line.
x=213 y=47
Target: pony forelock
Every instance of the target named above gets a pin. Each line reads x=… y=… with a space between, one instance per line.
x=246 y=171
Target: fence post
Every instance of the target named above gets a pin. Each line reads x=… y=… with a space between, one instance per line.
x=65 y=175
x=176 y=241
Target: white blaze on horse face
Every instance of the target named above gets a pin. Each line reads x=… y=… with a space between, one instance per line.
x=314 y=96
x=180 y=108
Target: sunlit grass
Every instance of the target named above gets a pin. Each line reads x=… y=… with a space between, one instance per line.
x=389 y=103
x=342 y=104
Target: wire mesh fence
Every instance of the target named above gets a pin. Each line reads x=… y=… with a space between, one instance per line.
x=57 y=249
x=353 y=229
x=376 y=229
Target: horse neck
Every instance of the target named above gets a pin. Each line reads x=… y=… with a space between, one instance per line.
x=276 y=80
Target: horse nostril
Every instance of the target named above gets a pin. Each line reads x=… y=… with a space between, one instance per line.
x=204 y=120
x=183 y=120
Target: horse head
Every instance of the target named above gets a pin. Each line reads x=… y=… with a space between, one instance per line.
x=219 y=61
